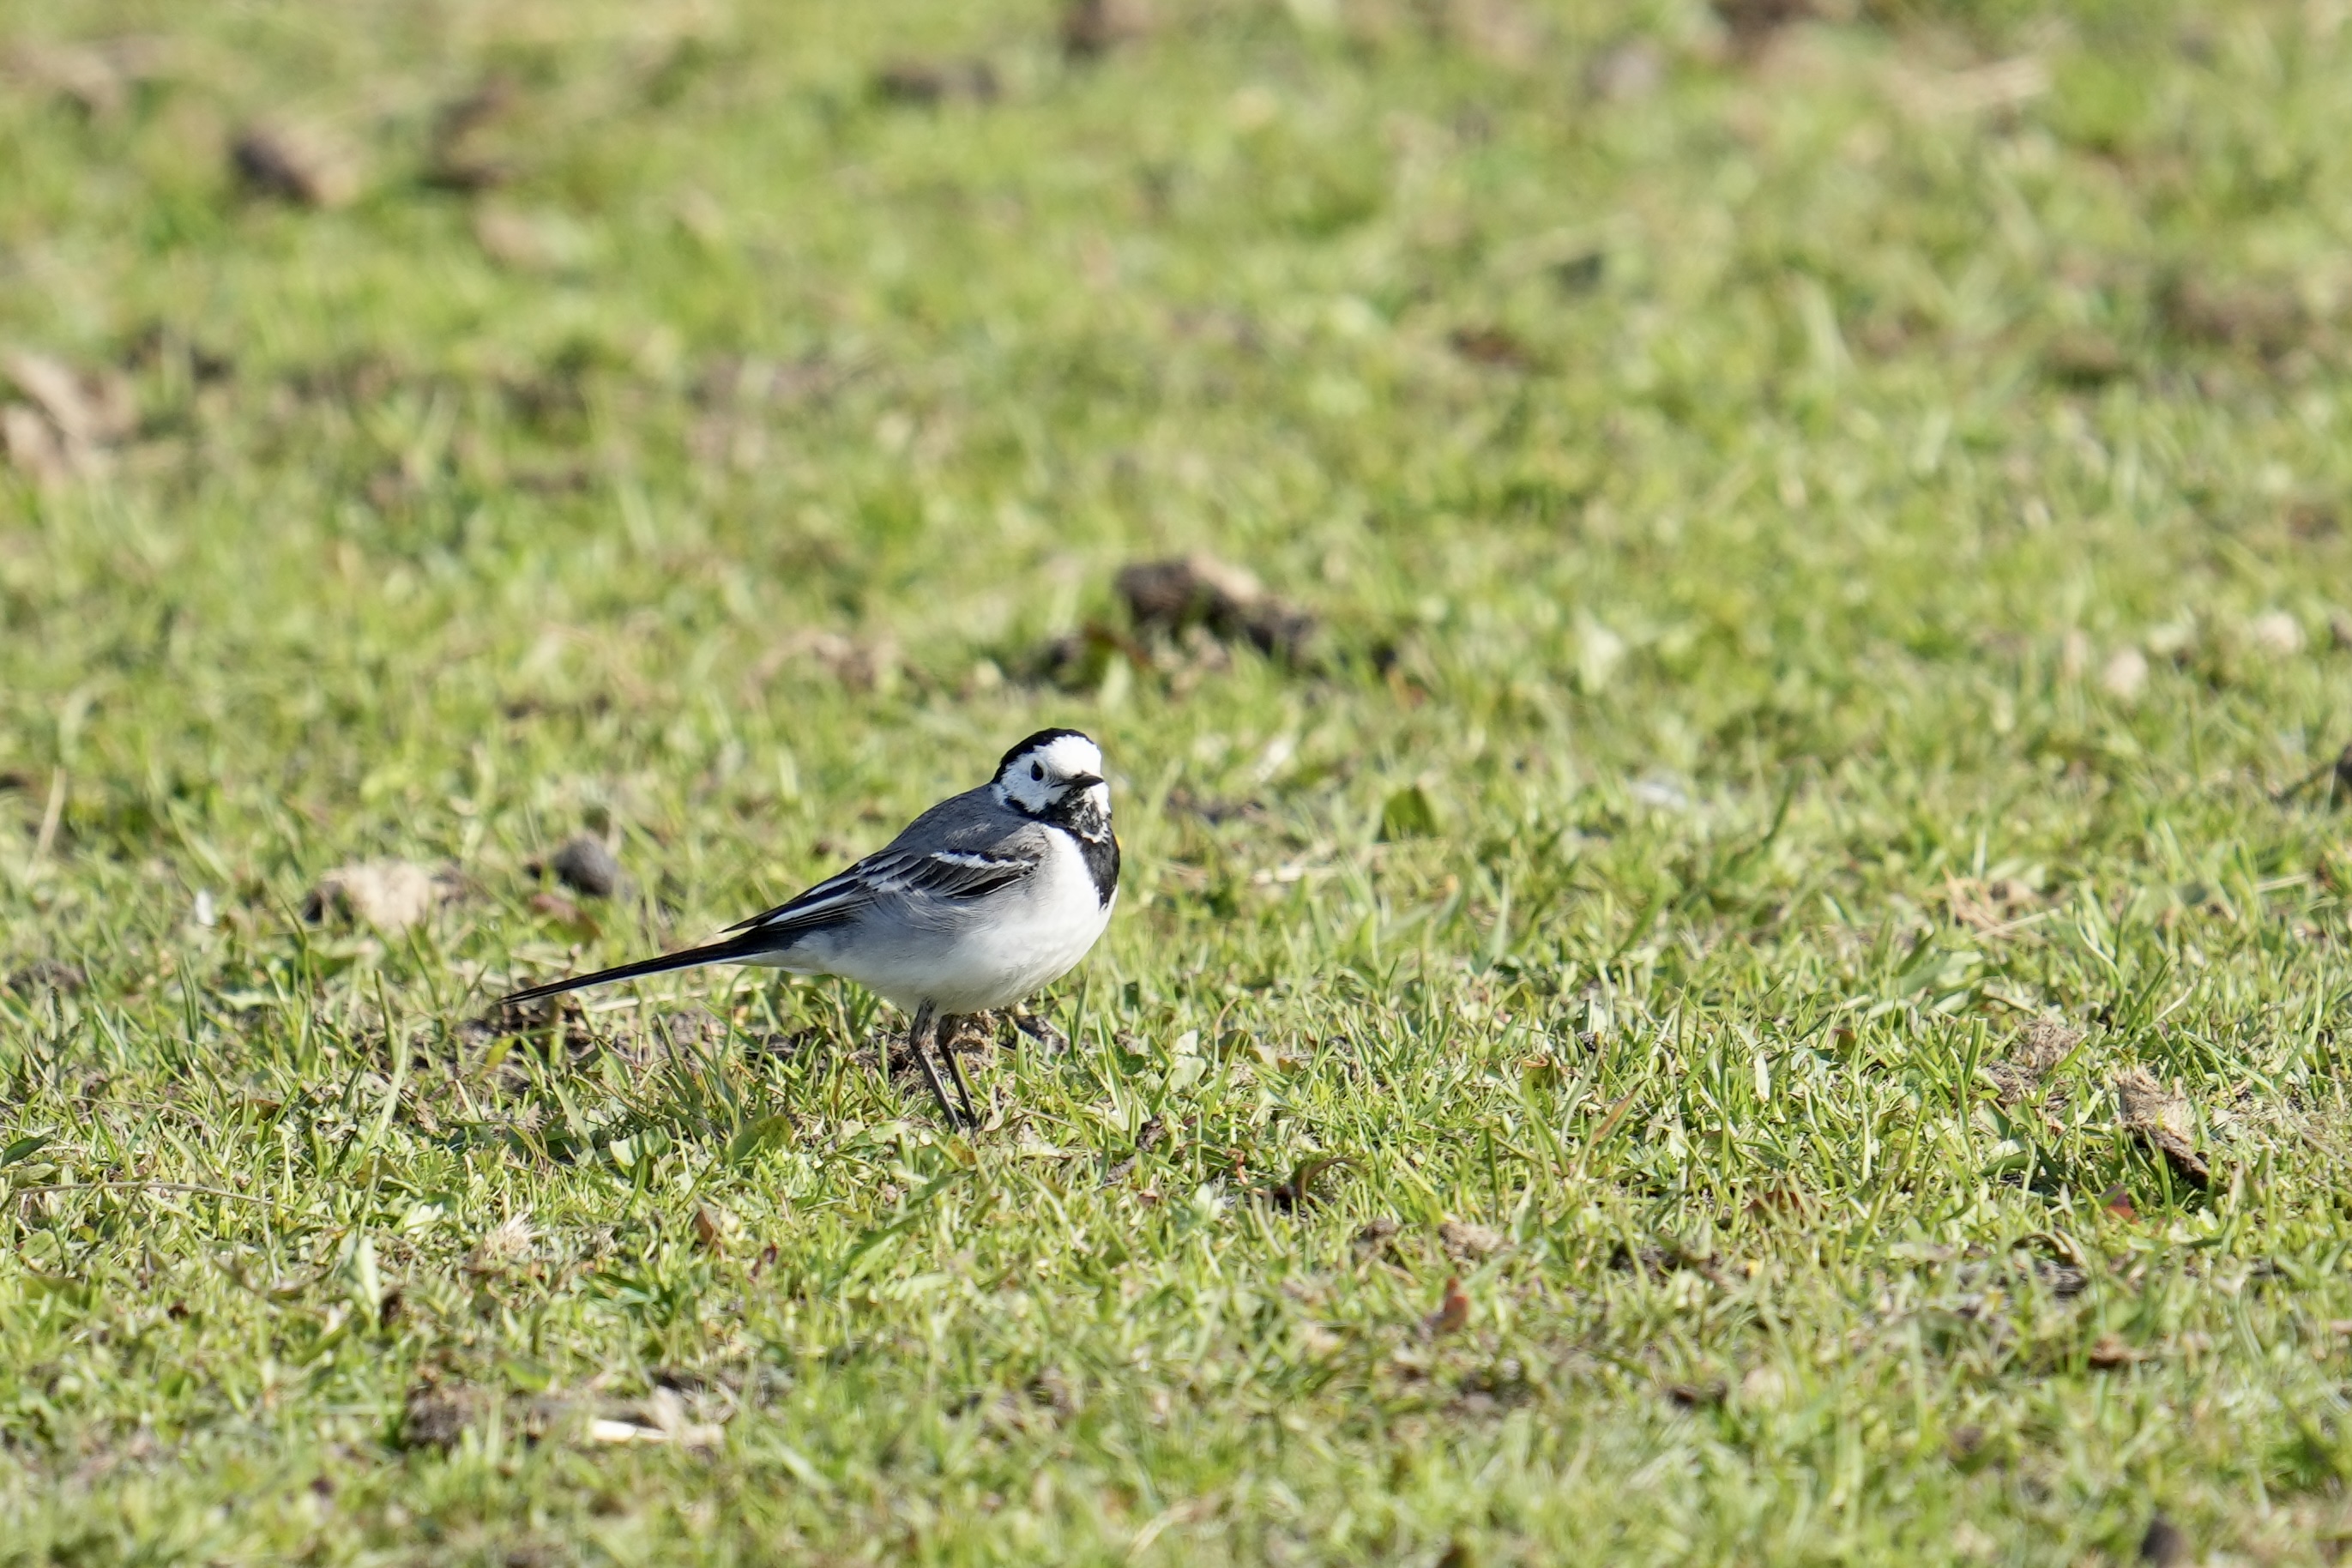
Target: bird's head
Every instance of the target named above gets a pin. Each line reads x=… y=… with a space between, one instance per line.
x=1054 y=774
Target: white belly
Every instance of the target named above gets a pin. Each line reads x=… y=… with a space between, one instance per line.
x=1033 y=936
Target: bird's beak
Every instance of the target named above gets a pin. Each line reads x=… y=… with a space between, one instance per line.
x=1083 y=781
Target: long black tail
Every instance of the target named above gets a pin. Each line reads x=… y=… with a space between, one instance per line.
x=734 y=950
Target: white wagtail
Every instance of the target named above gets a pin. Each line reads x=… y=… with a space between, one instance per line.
x=983 y=899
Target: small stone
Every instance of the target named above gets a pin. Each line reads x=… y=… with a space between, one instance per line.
x=503 y=1246
x=1752 y=22
x=96 y=79
x=88 y=408
x=459 y=159
x=434 y=1417
x=389 y=895
x=2267 y=319
x=1166 y=597
x=2163 y=1544
x=968 y=80
x=2276 y=632
x=531 y=241
x=1490 y=345
x=32 y=448
x=2162 y=1120
x=49 y=975
x=2080 y=357
x=2047 y=1043
x=1699 y=1395
x=1627 y=73
x=297 y=164
x=1092 y=28
x=1466 y=1242
x=587 y=866
x=2125 y=675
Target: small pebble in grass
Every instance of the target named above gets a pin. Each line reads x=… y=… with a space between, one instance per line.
x=931 y=82
x=99 y=79
x=502 y=1246
x=2162 y=1120
x=1752 y=22
x=2125 y=675
x=2264 y=319
x=458 y=160
x=1626 y=73
x=543 y=240
x=1698 y=1395
x=300 y=164
x=70 y=415
x=389 y=895
x=1467 y=1242
x=587 y=866
x=1165 y=597
x=89 y=406
x=1581 y=274
x=2018 y=1078
x=1092 y=28
x=1490 y=345
x=435 y=1415
x=2277 y=633
x=2084 y=359
x=2110 y=1351
x=49 y=974
x=2163 y=1544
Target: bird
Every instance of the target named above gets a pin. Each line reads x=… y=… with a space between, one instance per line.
x=978 y=904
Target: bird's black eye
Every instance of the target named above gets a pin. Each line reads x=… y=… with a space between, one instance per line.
x=1037 y=769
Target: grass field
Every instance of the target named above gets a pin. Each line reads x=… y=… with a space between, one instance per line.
x=1766 y=921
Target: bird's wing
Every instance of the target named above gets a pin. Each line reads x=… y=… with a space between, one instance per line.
x=960 y=851
x=943 y=875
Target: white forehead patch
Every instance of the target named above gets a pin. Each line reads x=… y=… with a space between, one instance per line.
x=1067 y=756
x=1036 y=779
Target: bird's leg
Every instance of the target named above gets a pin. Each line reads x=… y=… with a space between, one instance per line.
x=925 y=1022
x=946 y=1036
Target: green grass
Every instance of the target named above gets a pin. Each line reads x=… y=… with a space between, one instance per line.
x=1727 y=504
